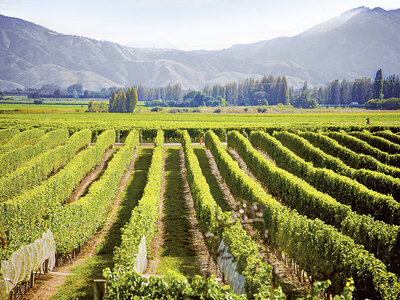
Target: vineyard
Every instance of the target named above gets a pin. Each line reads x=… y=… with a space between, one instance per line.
x=201 y=210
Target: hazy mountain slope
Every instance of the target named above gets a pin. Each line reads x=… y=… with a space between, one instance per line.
x=354 y=44
x=153 y=44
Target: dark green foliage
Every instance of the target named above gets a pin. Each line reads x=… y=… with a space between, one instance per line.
x=299 y=195
x=73 y=224
x=389 y=104
x=125 y=283
x=363 y=168
x=124 y=103
x=303 y=100
x=360 y=146
x=388 y=135
x=211 y=218
x=144 y=216
x=342 y=188
x=378 y=85
x=97 y=107
x=378 y=142
x=45 y=201
x=317 y=248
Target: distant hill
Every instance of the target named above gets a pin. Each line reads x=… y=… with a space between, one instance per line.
x=153 y=44
x=355 y=44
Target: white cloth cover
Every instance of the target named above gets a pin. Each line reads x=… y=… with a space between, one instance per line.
x=228 y=267
x=26 y=260
x=141 y=257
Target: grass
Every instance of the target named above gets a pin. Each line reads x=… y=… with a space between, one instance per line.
x=216 y=192
x=79 y=285
x=177 y=253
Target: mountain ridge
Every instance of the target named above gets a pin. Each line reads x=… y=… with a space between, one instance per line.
x=354 y=44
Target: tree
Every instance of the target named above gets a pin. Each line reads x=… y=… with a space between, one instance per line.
x=378 y=85
x=2 y=95
x=303 y=100
x=121 y=101
x=131 y=99
x=78 y=88
x=113 y=102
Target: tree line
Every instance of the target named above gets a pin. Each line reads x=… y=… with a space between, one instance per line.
x=359 y=90
x=268 y=90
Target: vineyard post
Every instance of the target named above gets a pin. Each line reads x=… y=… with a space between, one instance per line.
x=99 y=288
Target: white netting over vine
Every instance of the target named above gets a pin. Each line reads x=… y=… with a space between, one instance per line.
x=229 y=268
x=25 y=260
x=141 y=258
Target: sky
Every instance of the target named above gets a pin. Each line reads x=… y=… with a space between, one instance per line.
x=187 y=24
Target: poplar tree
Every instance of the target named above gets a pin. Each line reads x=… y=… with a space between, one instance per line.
x=113 y=102
x=121 y=101
x=131 y=99
x=378 y=85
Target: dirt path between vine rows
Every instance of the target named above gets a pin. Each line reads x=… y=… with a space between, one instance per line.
x=47 y=285
x=86 y=182
x=290 y=282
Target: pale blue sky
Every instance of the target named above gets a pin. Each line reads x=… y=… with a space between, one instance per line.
x=189 y=24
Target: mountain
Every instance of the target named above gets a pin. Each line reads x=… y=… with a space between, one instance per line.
x=153 y=44
x=354 y=44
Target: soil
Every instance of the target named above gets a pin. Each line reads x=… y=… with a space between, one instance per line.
x=48 y=284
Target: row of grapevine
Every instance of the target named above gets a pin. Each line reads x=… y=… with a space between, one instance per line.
x=336 y=157
x=23 y=219
x=378 y=142
x=319 y=249
x=244 y=250
x=38 y=168
x=73 y=224
x=195 y=125
x=377 y=236
x=144 y=216
x=14 y=159
x=20 y=140
x=345 y=190
x=388 y=135
x=361 y=146
x=7 y=134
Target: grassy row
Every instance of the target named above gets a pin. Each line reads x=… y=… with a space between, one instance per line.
x=363 y=168
x=23 y=219
x=38 y=168
x=342 y=188
x=20 y=140
x=319 y=249
x=144 y=216
x=244 y=250
x=73 y=224
x=12 y=160
x=361 y=146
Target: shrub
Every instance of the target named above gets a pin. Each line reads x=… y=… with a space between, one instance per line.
x=156 y=109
